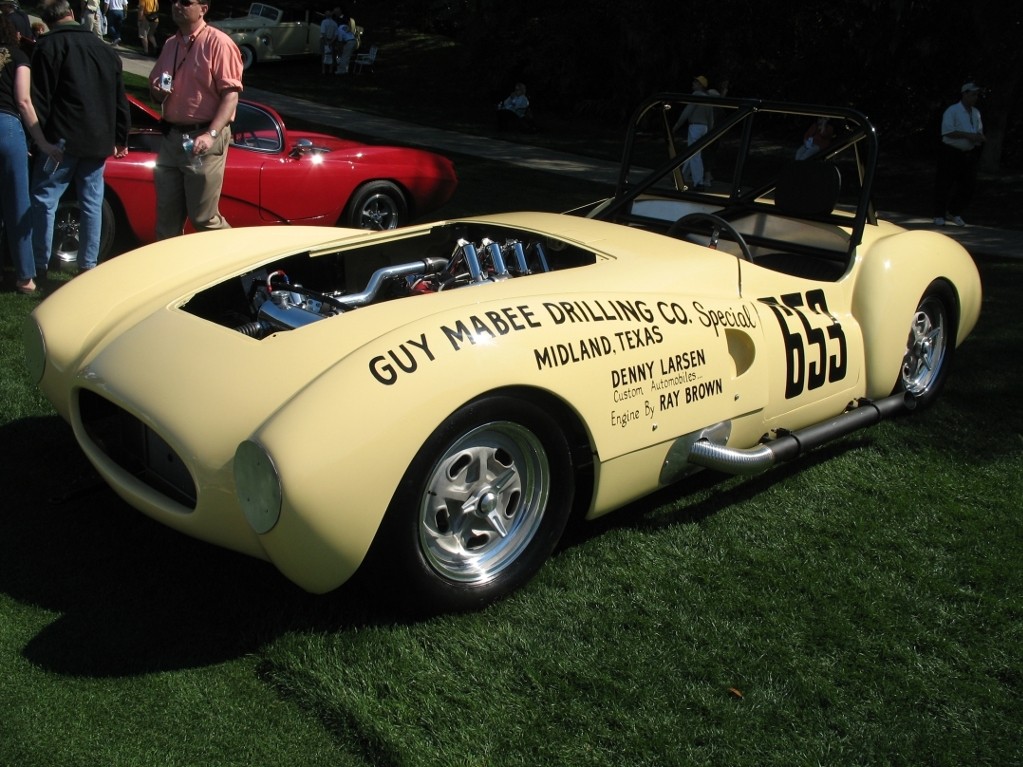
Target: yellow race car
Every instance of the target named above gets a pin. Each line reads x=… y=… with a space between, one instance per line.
x=435 y=402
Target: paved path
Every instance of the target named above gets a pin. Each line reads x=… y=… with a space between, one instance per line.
x=976 y=239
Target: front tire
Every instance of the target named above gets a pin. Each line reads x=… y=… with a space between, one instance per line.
x=378 y=205
x=481 y=507
x=930 y=345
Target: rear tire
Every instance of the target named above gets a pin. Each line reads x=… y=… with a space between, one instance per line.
x=930 y=345
x=480 y=508
x=67 y=225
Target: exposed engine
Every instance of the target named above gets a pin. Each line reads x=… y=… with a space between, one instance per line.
x=277 y=297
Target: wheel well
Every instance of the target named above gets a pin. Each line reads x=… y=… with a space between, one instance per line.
x=955 y=309
x=115 y=204
x=125 y=237
x=580 y=447
x=956 y=302
x=410 y=203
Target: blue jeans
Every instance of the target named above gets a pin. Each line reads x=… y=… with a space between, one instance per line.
x=114 y=21
x=47 y=189
x=16 y=211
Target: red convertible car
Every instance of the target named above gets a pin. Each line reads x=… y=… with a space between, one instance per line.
x=274 y=176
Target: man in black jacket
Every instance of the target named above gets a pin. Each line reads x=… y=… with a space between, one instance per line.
x=78 y=93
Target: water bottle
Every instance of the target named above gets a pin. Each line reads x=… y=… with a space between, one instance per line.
x=51 y=165
x=188 y=144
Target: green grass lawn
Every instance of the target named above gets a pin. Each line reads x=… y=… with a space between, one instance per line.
x=861 y=606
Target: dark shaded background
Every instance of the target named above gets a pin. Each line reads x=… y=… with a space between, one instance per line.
x=901 y=61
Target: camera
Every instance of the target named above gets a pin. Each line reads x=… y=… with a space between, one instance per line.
x=166 y=81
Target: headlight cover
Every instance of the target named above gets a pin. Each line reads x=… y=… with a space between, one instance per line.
x=258 y=485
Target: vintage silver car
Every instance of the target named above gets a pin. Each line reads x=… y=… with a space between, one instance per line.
x=269 y=33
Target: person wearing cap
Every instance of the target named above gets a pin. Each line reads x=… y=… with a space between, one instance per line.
x=700 y=118
x=962 y=135
x=347 y=42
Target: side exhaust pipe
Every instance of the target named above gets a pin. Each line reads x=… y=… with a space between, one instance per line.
x=789 y=445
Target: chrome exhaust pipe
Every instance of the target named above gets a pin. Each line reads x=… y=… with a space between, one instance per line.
x=789 y=445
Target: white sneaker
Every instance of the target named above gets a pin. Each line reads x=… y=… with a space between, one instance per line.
x=957 y=220
x=939 y=221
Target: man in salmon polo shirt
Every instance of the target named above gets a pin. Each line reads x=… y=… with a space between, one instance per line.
x=196 y=80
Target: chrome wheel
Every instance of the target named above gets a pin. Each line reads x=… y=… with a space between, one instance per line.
x=67 y=225
x=480 y=508
x=483 y=502
x=67 y=229
x=379 y=212
x=927 y=347
x=378 y=205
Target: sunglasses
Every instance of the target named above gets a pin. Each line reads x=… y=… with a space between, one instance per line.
x=187 y=3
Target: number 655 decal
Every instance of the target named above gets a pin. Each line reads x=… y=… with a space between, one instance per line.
x=815 y=350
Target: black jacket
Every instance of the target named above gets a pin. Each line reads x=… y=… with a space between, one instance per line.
x=78 y=91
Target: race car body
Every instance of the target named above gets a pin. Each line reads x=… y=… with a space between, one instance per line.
x=436 y=401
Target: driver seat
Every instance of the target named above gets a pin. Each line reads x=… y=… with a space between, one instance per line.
x=809 y=191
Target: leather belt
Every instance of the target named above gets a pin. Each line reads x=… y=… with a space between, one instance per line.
x=166 y=127
x=193 y=128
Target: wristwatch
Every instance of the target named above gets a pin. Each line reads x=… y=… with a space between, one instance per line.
x=213 y=132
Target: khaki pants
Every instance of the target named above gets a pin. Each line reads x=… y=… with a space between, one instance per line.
x=184 y=192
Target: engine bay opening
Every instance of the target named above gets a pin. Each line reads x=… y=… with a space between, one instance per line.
x=300 y=289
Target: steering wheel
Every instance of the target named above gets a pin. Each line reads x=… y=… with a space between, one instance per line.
x=246 y=138
x=718 y=224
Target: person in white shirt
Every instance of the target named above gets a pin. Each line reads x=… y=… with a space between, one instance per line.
x=328 y=38
x=115 y=19
x=514 y=111
x=962 y=136
x=700 y=118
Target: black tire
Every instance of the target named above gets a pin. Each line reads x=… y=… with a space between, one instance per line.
x=480 y=508
x=67 y=223
x=248 y=56
x=930 y=345
x=377 y=205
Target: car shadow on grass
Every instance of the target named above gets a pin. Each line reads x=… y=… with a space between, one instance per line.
x=131 y=597
x=128 y=595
